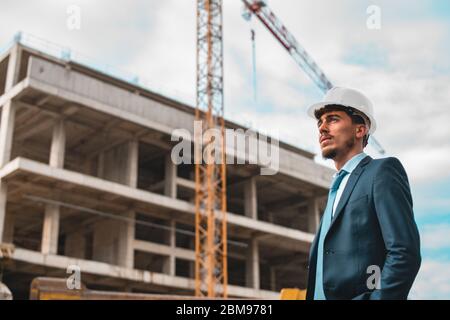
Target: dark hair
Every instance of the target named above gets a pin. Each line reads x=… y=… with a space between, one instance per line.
x=356 y=116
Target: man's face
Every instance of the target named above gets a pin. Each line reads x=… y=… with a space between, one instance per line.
x=337 y=134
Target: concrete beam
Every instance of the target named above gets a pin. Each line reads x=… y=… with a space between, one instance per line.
x=94 y=133
x=165 y=250
x=185 y=183
x=38 y=124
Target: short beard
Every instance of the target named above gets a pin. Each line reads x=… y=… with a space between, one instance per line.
x=329 y=154
x=333 y=153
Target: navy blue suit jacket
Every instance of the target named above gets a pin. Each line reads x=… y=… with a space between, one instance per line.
x=373 y=225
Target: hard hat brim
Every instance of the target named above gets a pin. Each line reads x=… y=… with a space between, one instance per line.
x=316 y=106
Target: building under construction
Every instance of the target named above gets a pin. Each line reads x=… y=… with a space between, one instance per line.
x=87 y=180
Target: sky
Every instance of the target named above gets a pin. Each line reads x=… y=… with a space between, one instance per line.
x=403 y=67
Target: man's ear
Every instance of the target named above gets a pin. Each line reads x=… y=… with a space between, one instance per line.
x=361 y=130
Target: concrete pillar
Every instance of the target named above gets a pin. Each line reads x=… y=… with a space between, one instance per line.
x=8 y=233
x=169 y=265
x=133 y=163
x=250 y=198
x=120 y=164
x=313 y=214
x=127 y=229
x=116 y=164
x=192 y=269
x=105 y=241
x=127 y=288
x=252 y=265
x=50 y=230
x=270 y=217
x=125 y=243
x=113 y=242
x=3 y=200
x=273 y=279
x=170 y=178
x=12 y=74
x=101 y=165
x=58 y=148
x=6 y=132
x=172 y=245
x=6 y=139
x=75 y=245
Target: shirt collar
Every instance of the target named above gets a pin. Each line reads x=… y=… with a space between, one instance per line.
x=351 y=164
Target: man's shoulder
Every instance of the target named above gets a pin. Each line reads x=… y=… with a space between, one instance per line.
x=385 y=162
x=387 y=167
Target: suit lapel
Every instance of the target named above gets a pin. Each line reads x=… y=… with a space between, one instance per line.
x=349 y=188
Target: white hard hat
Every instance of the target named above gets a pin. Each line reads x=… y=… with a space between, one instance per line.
x=348 y=98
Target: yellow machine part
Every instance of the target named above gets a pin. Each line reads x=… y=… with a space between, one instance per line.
x=293 y=294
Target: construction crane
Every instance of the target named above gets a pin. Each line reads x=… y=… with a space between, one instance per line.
x=260 y=9
x=211 y=275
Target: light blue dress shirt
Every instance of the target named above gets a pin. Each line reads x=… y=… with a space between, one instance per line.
x=349 y=166
x=338 y=185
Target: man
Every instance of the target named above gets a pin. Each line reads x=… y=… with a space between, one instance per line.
x=367 y=245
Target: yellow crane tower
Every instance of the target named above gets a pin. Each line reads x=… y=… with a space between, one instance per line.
x=211 y=275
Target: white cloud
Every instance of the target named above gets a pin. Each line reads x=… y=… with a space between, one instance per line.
x=432 y=282
x=433 y=279
x=107 y=32
x=436 y=237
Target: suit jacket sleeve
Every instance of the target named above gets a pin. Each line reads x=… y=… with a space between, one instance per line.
x=393 y=206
